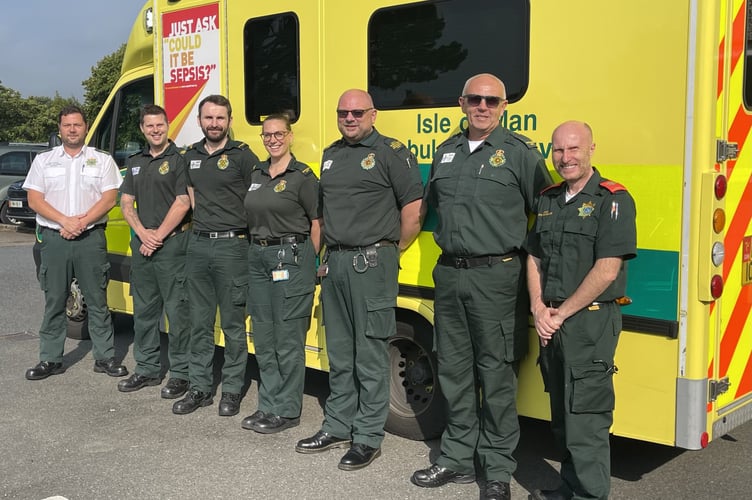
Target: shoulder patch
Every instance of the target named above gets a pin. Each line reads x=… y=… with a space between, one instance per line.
x=612 y=186
x=551 y=187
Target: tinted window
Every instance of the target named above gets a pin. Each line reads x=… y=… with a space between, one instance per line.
x=271 y=66
x=15 y=163
x=124 y=110
x=420 y=55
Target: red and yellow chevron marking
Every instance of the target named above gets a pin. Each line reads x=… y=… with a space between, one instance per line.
x=734 y=358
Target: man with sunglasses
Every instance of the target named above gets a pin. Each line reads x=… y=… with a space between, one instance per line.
x=483 y=185
x=370 y=192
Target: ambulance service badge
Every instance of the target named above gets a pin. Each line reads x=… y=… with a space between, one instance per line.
x=281 y=185
x=369 y=161
x=586 y=210
x=164 y=168
x=223 y=162
x=497 y=159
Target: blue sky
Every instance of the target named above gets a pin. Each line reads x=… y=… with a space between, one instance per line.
x=51 y=45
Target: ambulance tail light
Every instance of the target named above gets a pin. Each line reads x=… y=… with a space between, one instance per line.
x=712 y=224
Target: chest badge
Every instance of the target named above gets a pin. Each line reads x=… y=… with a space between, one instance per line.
x=586 y=210
x=164 y=168
x=91 y=162
x=497 y=159
x=369 y=161
x=281 y=186
x=223 y=162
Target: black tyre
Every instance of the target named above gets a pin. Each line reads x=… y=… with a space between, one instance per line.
x=4 y=216
x=417 y=409
x=78 y=315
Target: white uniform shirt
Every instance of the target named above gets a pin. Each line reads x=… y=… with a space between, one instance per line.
x=72 y=184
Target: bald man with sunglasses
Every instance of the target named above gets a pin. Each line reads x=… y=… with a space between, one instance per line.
x=483 y=185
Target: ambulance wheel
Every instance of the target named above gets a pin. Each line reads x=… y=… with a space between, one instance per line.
x=78 y=315
x=416 y=406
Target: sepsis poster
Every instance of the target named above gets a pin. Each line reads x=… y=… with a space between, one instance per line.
x=190 y=62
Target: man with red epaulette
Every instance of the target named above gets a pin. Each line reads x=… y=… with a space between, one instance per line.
x=584 y=232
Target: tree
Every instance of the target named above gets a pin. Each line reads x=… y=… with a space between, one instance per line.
x=31 y=119
x=103 y=78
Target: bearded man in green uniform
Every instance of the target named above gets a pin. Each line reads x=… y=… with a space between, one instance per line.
x=219 y=174
x=154 y=201
x=483 y=185
x=584 y=232
x=370 y=191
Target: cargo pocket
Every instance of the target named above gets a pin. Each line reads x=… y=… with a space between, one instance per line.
x=298 y=301
x=181 y=289
x=105 y=275
x=381 y=319
x=239 y=292
x=592 y=389
x=42 y=277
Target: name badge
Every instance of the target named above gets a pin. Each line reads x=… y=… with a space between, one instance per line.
x=136 y=170
x=195 y=164
x=280 y=275
x=447 y=158
x=327 y=165
x=254 y=187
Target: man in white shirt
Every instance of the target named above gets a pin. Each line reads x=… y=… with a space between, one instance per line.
x=71 y=188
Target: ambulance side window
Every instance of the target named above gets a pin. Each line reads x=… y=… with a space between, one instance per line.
x=747 y=90
x=421 y=54
x=272 y=52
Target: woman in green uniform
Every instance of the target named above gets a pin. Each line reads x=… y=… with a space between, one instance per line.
x=281 y=207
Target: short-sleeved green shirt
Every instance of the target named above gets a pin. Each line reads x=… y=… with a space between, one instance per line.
x=155 y=182
x=364 y=187
x=219 y=181
x=483 y=198
x=568 y=237
x=283 y=205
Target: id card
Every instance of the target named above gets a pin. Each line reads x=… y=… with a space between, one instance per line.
x=280 y=275
x=323 y=270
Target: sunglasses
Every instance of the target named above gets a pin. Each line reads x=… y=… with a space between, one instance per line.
x=357 y=113
x=492 y=101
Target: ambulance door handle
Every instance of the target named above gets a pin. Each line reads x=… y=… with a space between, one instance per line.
x=726 y=151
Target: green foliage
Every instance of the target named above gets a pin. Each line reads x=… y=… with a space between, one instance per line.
x=103 y=78
x=34 y=118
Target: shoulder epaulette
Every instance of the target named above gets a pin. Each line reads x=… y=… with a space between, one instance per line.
x=306 y=171
x=333 y=144
x=393 y=143
x=525 y=140
x=107 y=152
x=242 y=145
x=449 y=139
x=612 y=186
x=185 y=149
x=133 y=154
x=551 y=187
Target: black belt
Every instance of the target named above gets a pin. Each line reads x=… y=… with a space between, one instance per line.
x=232 y=233
x=378 y=244
x=470 y=262
x=557 y=303
x=84 y=233
x=269 y=242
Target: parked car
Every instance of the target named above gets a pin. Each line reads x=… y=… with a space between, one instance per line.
x=15 y=160
x=18 y=205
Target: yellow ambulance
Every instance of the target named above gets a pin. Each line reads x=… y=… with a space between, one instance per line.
x=666 y=86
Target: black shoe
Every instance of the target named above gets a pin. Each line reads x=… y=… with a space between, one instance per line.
x=43 y=370
x=249 y=421
x=436 y=476
x=496 y=490
x=193 y=401
x=110 y=367
x=229 y=405
x=136 y=382
x=359 y=456
x=559 y=494
x=174 y=388
x=269 y=424
x=321 y=441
